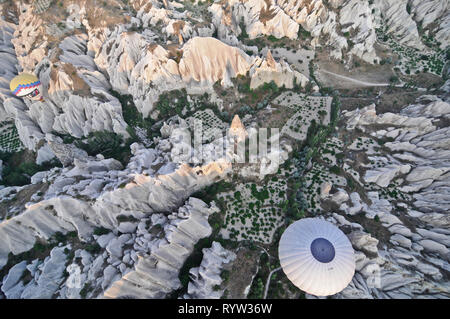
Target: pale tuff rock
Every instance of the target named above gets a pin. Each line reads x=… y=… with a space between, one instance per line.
x=435 y=247
x=28 y=39
x=335 y=3
x=340 y=196
x=367 y=116
x=224 y=22
x=145 y=70
x=12 y=286
x=10 y=106
x=138 y=198
x=430 y=106
x=168 y=20
x=237 y=129
x=282 y=19
x=44 y=154
x=418 y=141
x=407 y=262
x=50 y=278
x=77 y=98
x=423 y=173
x=72 y=82
x=209 y=60
x=443 y=33
x=325 y=188
x=66 y=153
x=399 y=22
x=305 y=12
x=428 y=12
x=156 y=274
x=8 y=61
x=401 y=240
x=364 y=242
x=356 y=16
x=192 y=217
x=223 y=148
x=207 y=276
x=261 y=17
x=384 y=175
x=422 y=149
x=435 y=235
x=281 y=73
x=336 y=41
x=74 y=282
x=382 y=275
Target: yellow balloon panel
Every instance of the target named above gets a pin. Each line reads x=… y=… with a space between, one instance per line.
x=23 y=84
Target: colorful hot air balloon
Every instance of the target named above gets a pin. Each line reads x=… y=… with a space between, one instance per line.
x=317 y=257
x=27 y=85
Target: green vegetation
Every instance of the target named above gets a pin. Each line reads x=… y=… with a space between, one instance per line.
x=109 y=144
x=93 y=248
x=302 y=33
x=209 y=193
x=256 y=99
x=18 y=169
x=413 y=61
x=40 y=250
x=85 y=290
x=225 y=275
x=194 y=260
x=134 y=118
x=9 y=137
x=243 y=36
x=171 y=103
x=101 y=231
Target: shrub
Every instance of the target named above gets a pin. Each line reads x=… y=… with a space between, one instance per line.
x=93 y=248
x=101 y=231
x=17 y=172
x=109 y=144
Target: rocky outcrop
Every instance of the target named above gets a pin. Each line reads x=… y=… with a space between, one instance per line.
x=77 y=101
x=206 y=278
x=52 y=275
x=260 y=17
x=146 y=70
x=356 y=17
x=399 y=22
x=410 y=201
x=427 y=12
x=268 y=70
x=156 y=274
x=139 y=197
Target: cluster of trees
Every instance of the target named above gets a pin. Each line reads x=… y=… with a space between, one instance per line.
x=17 y=169
x=109 y=144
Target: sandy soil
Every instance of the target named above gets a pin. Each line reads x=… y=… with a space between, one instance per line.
x=243 y=270
x=334 y=74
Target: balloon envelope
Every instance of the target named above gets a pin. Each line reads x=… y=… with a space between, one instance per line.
x=316 y=256
x=26 y=84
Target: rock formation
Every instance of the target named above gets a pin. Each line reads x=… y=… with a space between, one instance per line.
x=206 y=278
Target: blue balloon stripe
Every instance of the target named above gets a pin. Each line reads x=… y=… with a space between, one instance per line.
x=25 y=86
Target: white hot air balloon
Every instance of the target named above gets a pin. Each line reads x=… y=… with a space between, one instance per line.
x=316 y=256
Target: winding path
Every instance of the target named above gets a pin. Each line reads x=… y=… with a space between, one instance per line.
x=268 y=281
x=368 y=83
x=358 y=81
